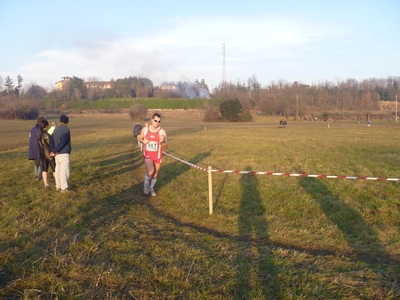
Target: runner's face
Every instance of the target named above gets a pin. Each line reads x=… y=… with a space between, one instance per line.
x=156 y=122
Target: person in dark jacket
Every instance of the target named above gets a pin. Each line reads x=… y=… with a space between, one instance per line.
x=44 y=146
x=34 y=151
x=60 y=145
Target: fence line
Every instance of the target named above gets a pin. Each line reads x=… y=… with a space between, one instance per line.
x=186 y=162
x=210 y=171
x=306 y=175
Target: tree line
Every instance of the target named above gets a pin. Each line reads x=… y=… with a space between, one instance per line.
x=296 y=99
x=129 y=87
x=279 y=97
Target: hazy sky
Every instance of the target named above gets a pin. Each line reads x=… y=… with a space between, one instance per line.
x=306 y=41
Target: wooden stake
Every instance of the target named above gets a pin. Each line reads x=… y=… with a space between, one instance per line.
x=210 y=191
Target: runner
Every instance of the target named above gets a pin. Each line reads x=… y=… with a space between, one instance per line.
x=153 y=137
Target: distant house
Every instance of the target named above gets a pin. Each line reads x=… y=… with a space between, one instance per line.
x=103 y=85
x=297 y=84
x=63 y=83
x=168 y=87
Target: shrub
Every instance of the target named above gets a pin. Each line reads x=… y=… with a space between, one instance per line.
x=247 y=117
x=231 y=110
x=20 y=110
x=212 y=114
x=138 y=112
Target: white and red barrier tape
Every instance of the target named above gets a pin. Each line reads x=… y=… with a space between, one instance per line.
x=286 y=174
x=185 y=162
x=306 y=175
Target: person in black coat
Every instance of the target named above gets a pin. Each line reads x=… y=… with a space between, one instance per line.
x=44 y=147
x=34 y=151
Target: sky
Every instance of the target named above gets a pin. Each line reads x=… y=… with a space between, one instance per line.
x=169 y=41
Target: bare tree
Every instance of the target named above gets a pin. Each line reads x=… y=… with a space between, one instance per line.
x=268 y=103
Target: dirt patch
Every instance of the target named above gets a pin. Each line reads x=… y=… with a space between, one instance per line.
x=179 y=113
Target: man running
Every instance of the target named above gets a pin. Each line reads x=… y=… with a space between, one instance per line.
x=153 y=137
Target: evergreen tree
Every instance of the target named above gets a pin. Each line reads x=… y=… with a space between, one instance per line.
x=9 y=84
x=231 y=110
x=76 y=88
x=19 y=86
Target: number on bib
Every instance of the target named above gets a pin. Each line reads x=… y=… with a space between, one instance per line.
x=152 y=146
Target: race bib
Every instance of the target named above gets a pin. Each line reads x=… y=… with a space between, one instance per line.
x=152 y=146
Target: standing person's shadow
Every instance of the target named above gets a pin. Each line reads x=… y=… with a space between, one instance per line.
x=256 y=273
x=362 y=238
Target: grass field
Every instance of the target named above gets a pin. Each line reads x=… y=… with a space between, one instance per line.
x=270 y=237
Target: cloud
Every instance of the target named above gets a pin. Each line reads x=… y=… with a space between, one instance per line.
x=190 y=49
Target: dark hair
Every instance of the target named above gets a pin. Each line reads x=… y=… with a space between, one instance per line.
x=64 y=119
x=156 y=115
x=39 y=119
x=43 y=124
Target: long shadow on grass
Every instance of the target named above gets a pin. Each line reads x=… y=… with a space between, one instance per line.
x=255 y=268
x=221 y=188
x=264 y=240
x=106 y=166
x=102 y=142
x=130 y=196
x=360 y=237
x=172 y=170
x=71 y=224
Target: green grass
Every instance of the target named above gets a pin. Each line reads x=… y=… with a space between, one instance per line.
x=150 y=103
x=270 y=237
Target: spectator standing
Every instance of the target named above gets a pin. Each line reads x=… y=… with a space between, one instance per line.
x=44 y=147
x=60 y=144
x=34 y=152
x=51 y=129
x=137 y=129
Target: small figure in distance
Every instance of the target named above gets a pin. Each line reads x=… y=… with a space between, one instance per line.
x=284 y=124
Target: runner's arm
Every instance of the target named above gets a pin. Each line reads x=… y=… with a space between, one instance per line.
x=141 y=136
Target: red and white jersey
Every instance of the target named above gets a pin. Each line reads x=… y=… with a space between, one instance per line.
x=153 y=148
